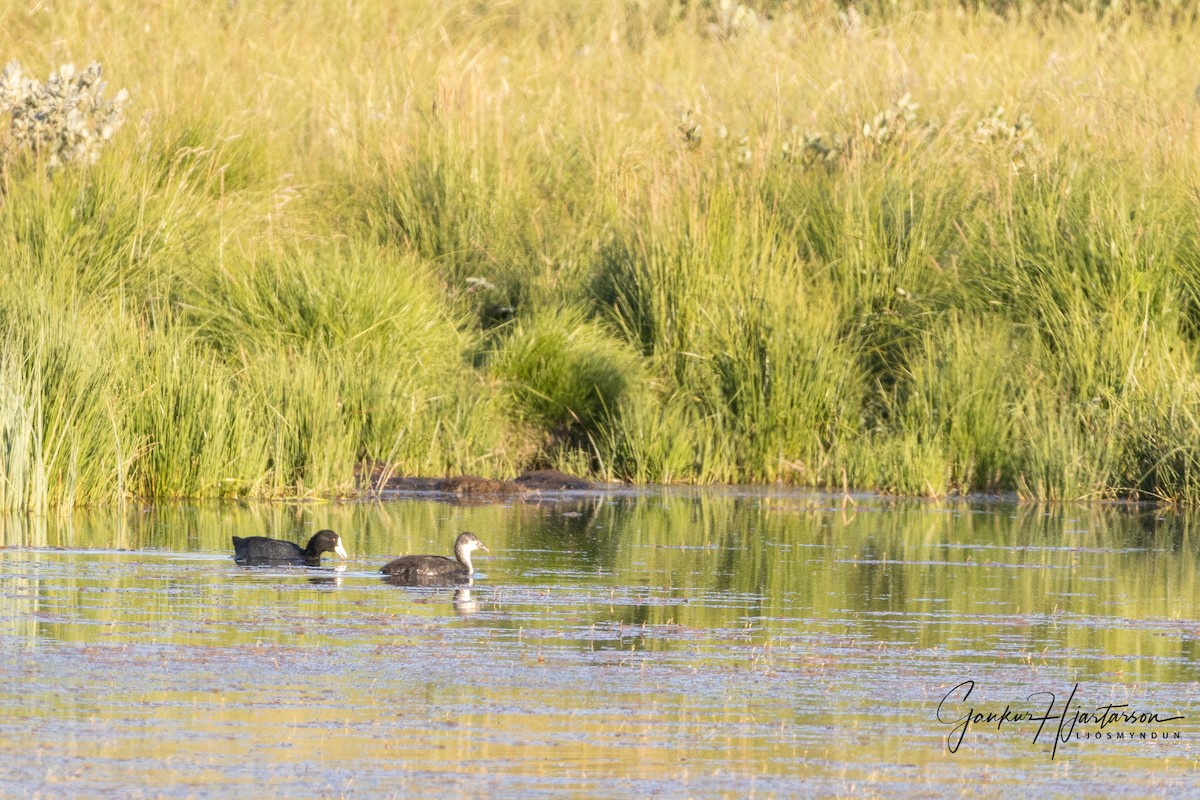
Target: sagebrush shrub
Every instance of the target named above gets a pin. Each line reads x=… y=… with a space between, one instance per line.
x=65 y=120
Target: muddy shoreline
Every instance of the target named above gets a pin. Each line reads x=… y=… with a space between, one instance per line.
x=530 y=482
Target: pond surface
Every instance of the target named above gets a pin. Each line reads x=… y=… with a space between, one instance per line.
x=673 y=644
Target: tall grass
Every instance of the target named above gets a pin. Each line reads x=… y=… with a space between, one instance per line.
x=924 y=247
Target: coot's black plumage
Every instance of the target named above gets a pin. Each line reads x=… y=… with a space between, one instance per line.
x=261 y=550
x=433 y=569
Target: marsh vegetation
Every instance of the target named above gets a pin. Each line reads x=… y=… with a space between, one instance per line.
x=920 y=247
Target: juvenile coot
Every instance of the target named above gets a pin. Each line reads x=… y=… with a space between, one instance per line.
x=428 y=569
x=261 y=550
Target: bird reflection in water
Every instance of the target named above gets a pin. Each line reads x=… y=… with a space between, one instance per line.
x=465 y=603
x=329 y=578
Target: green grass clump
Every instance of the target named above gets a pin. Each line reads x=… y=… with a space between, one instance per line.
x=565 y=375
x=743 y=338
x=923 y=247
x=184 y=434
x=62 y=434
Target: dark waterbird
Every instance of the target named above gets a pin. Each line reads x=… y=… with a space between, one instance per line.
x=423 y=570
x=261 y=550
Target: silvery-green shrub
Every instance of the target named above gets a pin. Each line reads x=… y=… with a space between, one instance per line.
x=65 y=120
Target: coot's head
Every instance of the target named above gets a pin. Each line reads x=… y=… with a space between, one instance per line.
x=326 y=541
x=466 y=542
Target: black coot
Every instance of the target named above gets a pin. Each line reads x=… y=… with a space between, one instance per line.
x=421 y=570
x=261 y=550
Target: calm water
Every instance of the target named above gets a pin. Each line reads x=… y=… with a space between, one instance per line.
x=666 y=645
